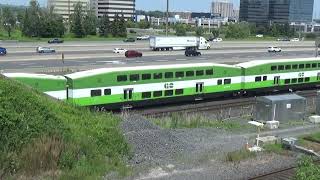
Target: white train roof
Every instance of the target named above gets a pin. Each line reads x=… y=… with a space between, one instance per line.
x=262 y=62
x=118 y=69
x=31 y=75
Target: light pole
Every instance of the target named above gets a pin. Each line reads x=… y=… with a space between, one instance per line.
x=167 y=17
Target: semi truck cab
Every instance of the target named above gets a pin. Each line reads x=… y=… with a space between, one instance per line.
x=203 y=43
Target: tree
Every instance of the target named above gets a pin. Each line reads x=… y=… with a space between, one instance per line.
x=199 y=31
x=215 y=32
x=104 y=26
x=181 y=30
x=9 y=20
x=31 y=20
x=143 y=24
x=77 y=21
x=90 y=23
x=122 y=27
x=238 y=31
x=115 y=26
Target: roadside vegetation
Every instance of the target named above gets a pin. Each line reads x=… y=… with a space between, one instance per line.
x=198 y=120
x=307 y=169
x=42 y=138
x=240 y=155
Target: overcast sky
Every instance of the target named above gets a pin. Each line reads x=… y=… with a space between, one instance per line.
x=175 y=5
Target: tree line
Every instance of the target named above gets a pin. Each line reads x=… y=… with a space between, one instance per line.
x=34 y=21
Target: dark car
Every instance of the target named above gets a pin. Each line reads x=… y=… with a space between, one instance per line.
x=129 y=40
x=132 y=54
x=3 y=51
x=55 y=40
x=192 y=52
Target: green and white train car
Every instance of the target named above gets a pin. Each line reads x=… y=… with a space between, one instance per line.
x=51 y=85
x=277 y=75
x=147 y=85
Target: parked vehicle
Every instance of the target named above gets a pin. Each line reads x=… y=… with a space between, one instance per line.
x=3 y=51
x=45 y=50
x=129 y=40
x=274 y=49
x=55 y=41
x=283 y=39
x=119 y=50
x=133 y=54
x=177 y=43
x=295 y=40
x=145 y=37
x=192 y=52
x=217 y=40
x=259 y=35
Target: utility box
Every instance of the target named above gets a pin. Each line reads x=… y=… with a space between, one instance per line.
x=282 y=108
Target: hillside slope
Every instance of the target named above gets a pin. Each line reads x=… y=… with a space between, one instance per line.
x=42 y=137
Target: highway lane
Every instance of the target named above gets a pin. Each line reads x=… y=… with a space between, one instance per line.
x=117 y=61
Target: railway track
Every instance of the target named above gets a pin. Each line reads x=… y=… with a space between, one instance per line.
x=245 y=106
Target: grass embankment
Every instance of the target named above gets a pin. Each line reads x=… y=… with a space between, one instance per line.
x=197 y=120
x=17 y=35
x=42 y=138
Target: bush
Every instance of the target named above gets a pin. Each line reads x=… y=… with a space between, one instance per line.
x=307 y=170
x=39 y=134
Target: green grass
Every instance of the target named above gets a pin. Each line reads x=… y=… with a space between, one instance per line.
x=187 y=120
x=307 y=169
x=41 y=137
x=17 y=35
x=274 y=148
x=239 y=155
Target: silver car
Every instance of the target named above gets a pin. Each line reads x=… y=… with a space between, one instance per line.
x=45 y=50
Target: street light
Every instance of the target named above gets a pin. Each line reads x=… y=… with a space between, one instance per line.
x=167 y=18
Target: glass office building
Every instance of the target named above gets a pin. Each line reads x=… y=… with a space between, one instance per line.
x=276 y=11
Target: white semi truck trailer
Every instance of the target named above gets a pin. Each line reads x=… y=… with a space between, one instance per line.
x=158 y=43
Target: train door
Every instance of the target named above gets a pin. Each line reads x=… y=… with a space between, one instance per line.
x=128 y=94
x=276 y=80
x=199 y=90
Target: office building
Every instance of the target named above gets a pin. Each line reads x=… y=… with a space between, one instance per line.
x=113 y=7
x=66 y=7
x=262 y=12
x=222 y=7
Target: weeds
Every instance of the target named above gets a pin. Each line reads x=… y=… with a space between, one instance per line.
x=237 y=156
x=307 y=169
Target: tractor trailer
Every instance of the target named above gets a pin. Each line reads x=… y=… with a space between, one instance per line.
x=177 y=43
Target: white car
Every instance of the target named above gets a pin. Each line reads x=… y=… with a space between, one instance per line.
x=145 y=37
x=259 y=35
x=45 y=50
x=295 y=39
x=274 y=49
x=217 y=40
x=119 y=50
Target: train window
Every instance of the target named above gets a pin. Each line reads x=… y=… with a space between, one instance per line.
x=300 y=80
x=146 y=95
x=168 y=75
x=294 y=80
x=219 y=82
x=281 y=67
x=157 y=93
x=209 y=72
x=308 y=65
x=258 y=79
x=314 y=65
x=122 y=78
x=287 y=81
x=200 y=73
x=273 y=68
x=189 y=73
x=301 y=66
x=96 y=92
x=180 y=74
x=319 y=65
x=288 y=67
x=179 y=91
x=107 y=92
x=265 y=78
x=157 y=76
x=227 y=81
x=307 y=79
x=295 y=66
x=168 y=93
x=146 y=76
x=134 y=77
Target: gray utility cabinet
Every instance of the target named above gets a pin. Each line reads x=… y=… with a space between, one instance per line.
x=318 y=103
x=281 y=108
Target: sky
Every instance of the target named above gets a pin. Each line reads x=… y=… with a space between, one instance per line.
x=175 y=5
